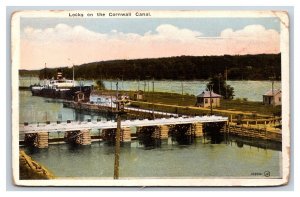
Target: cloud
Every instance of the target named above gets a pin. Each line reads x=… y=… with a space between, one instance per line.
x=61 y=33
x=257 y=32
x=167 y=31
x=58 y=44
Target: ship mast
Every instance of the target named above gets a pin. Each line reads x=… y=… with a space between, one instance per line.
x=225 y=81
x=73 y=76
x=73 y=71
x=45 y=75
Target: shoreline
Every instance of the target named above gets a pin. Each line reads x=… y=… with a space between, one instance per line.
x=30 y=169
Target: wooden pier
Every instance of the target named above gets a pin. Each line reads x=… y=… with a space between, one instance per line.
x=131 y=111
x=80 y=132
x=253 y=131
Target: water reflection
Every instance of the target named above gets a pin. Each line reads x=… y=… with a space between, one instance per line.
x=147 y=156
x=182 y=136
x=215 y=137
x=258 y=143
x=75 y=148
x=35 y=109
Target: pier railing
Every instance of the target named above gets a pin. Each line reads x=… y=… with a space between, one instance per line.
x=71 y=126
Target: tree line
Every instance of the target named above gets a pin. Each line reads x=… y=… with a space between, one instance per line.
x=237 y=67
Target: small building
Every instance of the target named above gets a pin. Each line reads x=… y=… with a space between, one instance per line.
x=204 y=99
x=272 y=97
x=138 y=95
x=79 y=96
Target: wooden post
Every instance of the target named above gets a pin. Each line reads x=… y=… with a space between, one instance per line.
x=164 y=131
x=39 y=140
x=198 y=129
x=84 y=137
x=156 y=133
x=117 y=148
x=228 y=127
x=42 y=139
x=126 y=134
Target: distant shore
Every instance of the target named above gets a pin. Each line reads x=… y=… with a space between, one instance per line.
x=233 y=67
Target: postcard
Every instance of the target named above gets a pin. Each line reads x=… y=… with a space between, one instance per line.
x=150 y=98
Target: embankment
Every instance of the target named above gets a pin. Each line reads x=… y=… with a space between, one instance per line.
x=30 y=169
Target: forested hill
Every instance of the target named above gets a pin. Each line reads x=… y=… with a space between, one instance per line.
x=246 y=67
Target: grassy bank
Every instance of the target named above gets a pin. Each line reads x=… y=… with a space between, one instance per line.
x=177 y=103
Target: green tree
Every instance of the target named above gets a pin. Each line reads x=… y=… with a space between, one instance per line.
x=239 y=67
x=219 y=86
x=100 y=85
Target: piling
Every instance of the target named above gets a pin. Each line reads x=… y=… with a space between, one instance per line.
x=42 y=140
x=126 y=134
x=161 y=132
x=38 y=140
x=198 y=129
x=190 y=131
x=84 y=137
x=164 y=132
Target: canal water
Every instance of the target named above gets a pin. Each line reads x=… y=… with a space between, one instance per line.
x=215 y=155
x=251 y=90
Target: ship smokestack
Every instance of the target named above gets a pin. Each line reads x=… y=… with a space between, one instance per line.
x=59 y=74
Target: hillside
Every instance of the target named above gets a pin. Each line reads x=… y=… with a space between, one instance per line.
x=241 y=67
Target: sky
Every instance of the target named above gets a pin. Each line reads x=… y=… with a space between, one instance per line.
x=66 y=41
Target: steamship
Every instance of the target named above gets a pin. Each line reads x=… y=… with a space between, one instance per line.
x=61 y=88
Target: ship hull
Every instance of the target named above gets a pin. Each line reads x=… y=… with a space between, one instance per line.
x=67 y=94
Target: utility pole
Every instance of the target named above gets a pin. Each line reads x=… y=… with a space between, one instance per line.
x=182 y=89
x=73 y=76
x=219 y=77
x=122 y=85
x=226 y=81
x=45 y=75
x=111 y=99
x=117 y=146
x=119 y=112
x=147 y=79
x=153 y=98
x=73 y=72
x=273 y=96
x=182 y=99
x=210 y=89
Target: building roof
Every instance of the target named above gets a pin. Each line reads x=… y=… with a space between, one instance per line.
x=206 y=94
x=269 y=93
x=139 y=92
